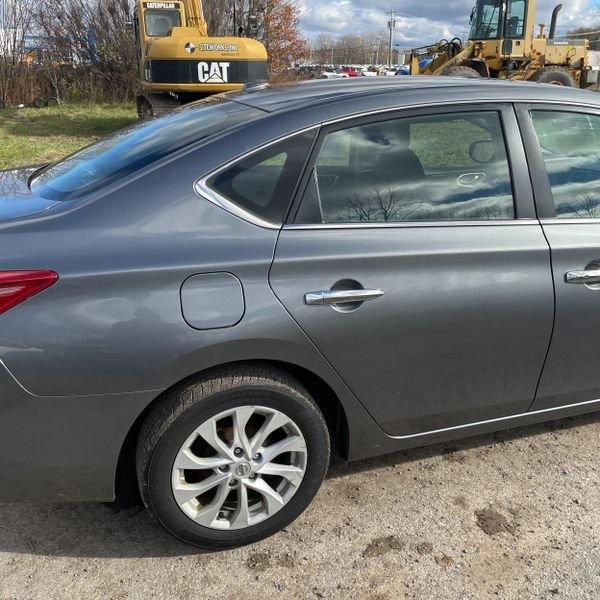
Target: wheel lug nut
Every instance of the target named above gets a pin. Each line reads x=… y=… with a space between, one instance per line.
x=224 y=468
x=233 y=483
x=253 y=476
x=238 y=451
x=257 y=456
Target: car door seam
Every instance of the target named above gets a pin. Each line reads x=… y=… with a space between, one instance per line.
x=550 y=258
x=552 y=275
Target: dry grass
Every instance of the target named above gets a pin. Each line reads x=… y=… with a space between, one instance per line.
x=34 y=136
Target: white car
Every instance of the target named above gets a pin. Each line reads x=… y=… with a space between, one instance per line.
x=334 y=75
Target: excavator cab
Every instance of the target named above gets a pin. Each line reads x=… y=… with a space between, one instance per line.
x=179 y=62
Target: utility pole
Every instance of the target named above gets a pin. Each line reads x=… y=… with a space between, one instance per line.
x=392 y=28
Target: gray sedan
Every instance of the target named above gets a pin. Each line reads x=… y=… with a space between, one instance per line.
x=201 y=306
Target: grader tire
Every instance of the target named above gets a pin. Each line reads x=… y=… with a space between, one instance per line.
x=553 y=75
x=458 y=71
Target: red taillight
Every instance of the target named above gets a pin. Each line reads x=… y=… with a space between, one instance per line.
x=17 y=286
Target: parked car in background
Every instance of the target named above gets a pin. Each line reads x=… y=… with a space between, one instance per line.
x=351 y=72
x=205 y=304
x=337 y=74
x=369 y=72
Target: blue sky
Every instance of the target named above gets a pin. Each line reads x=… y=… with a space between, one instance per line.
x=421 y=21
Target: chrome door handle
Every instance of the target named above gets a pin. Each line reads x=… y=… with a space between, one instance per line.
x=583 y=277
x=329 y=297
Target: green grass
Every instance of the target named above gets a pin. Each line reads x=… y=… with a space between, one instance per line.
x=32 y=136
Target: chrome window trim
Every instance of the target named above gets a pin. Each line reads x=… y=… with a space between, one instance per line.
x=564 y=221
x=202 y=189
x=532 y=413
x=410 y=224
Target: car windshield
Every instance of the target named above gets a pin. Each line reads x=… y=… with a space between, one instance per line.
x=137 y=146
x=486 y=23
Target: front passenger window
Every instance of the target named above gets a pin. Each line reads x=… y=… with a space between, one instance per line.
x=450 y=167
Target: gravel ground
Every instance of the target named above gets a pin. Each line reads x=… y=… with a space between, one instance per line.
x=510 y=515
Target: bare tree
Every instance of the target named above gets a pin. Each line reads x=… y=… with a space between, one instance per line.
x=15 y=22
x=91 y=39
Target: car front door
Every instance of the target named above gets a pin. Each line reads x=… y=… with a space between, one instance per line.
x=414 y=263
x=563 y=146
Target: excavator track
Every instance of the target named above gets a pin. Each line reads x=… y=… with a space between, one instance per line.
x=156 y=105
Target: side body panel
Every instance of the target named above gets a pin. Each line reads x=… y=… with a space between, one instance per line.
x=572 y=373
x=461 y=333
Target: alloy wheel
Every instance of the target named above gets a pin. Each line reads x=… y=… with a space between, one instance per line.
x=239 y=468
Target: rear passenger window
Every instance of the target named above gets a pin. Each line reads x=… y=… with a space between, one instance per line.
x=570 y=144
x=264 y=183
x=451 y=167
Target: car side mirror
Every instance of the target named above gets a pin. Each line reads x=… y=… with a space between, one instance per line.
x=483 y=151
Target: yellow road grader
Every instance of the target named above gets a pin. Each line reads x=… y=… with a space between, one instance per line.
x=503 y=43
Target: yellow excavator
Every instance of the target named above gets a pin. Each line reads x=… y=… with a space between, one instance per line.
x=503 y=44
x=178 y=62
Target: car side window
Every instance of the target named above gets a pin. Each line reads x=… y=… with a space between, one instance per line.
x=570 y=145
x=450 y=167
x=264 y=182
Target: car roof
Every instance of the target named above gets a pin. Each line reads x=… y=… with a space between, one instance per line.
x=402 y=91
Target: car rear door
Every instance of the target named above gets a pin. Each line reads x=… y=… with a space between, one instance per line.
x=414 y=262
x=563 y=147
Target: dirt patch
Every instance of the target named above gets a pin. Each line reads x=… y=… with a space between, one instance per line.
x=259 y=561
x=424 y=548
x=383 y=545
x=286 y=560
x=491 y=522
x=444 y=561
x=454 y=455
x=460 y=501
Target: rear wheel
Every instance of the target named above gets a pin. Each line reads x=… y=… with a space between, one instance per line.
x=459 y=71
x=232 y=458
x=553 y=75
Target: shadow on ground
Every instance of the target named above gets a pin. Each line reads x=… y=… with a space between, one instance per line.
x=100 y=530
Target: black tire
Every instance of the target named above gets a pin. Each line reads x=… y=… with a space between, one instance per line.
x=175 y=418
x=553 y=75
x=52 y=101
x=39 y=103
x=459 y=71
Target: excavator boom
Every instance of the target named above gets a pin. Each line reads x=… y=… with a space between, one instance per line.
x=195 y=12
